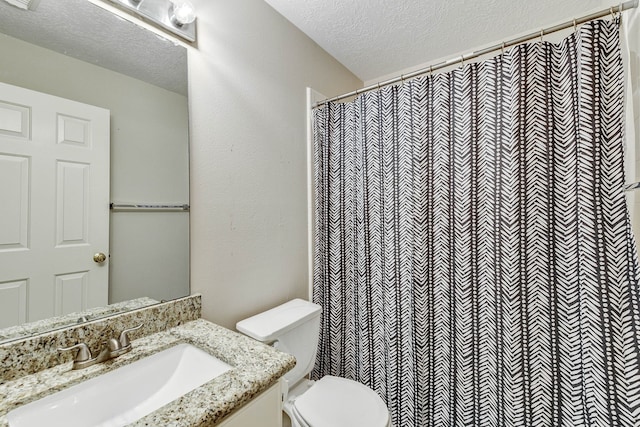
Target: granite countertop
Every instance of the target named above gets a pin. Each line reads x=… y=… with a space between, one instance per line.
x=52 y=323
x=255 y=368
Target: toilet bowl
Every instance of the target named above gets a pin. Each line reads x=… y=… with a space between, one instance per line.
x=293 y=328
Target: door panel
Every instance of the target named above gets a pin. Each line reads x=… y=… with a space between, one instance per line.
x=14 y=205
x=74 y=131
x=13 y=303
x=15 y=120
x=72 y=193
x=54 y=215
x=71 y=292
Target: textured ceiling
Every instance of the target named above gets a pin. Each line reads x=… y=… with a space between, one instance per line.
x=87 y=32
x=374 y=38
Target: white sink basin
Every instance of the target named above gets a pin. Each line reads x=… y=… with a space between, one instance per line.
x=123 y=395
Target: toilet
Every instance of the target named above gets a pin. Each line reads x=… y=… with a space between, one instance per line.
x=293 y=328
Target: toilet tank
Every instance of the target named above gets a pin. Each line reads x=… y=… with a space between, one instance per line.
x=293 y=328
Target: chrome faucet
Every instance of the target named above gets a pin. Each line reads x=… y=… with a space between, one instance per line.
x=112 y=349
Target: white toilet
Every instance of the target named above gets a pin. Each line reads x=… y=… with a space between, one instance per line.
x=294 y=328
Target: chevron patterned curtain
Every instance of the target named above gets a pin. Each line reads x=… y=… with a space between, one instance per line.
x=473 y=251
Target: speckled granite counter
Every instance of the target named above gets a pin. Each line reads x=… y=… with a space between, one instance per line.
x=47 y=325
x=255 y=368
x=39 y=352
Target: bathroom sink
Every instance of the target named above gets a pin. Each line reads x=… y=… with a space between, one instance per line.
x=126 y=394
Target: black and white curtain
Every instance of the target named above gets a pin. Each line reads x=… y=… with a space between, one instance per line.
x=473 y=251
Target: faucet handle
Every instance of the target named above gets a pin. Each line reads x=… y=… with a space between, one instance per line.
x=83 y=353
x=113 y=344
x=124 y=338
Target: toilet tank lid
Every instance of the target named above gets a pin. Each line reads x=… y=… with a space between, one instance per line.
x=267 y=326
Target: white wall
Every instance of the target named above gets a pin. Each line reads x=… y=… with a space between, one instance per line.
x=455 y=55
x=631 y=29
x=149 y=163
x=248 y=79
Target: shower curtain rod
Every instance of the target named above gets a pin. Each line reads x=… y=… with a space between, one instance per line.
x=475 y=54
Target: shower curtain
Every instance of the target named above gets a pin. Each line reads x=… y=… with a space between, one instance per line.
x=473 y=252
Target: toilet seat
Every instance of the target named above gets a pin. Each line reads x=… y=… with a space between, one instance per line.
x=340 y=402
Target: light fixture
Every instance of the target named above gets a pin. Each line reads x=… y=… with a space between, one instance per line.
x=176 y=16
x=182 y=12
x=24 y=4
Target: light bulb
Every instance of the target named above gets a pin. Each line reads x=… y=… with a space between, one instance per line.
x=183 y=12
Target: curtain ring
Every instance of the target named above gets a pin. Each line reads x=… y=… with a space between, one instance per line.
x=462 y=61
x=502 y=47
x=430 y=70
x=612 y=15
x=620 y=11
x=575 y=26
x=378 y=85
x=541 y=34
x=402 y=79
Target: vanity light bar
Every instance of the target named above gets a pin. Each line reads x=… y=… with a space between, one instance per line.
x=128 y=207
x=631 y=187
x=24 y=4
x=176 y=16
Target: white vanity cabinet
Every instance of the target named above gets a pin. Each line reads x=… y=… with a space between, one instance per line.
x=264 y=411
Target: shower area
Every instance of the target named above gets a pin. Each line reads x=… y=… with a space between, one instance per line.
x=473 y=244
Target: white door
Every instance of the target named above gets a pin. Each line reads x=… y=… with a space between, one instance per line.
x=54 y=205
